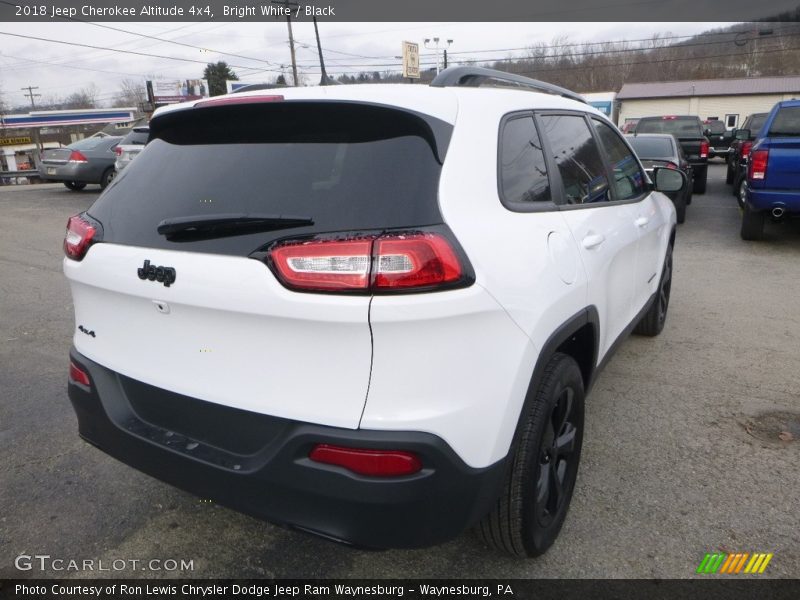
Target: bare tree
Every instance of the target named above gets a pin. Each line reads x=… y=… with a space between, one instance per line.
x=84 y=98
x=131 y=93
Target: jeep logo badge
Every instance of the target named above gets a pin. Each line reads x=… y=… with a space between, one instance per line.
x=165 y=275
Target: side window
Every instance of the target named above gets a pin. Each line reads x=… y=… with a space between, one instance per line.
x=628 y=178
x=578 y=158
x=523 y=174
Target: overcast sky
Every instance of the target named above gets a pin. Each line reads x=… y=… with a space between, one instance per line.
x=263 y=49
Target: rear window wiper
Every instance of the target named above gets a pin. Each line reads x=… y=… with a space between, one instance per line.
x=198 y=227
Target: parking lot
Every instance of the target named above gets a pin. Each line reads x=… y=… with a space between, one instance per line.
x=692 y=441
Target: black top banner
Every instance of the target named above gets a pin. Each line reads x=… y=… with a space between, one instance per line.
x=404 y=11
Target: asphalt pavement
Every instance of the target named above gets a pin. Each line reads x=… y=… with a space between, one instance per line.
x=682 y=454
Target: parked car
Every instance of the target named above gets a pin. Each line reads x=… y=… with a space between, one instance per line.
x=663 y=150
x=90 y=160
x=773 y=170
x=740 y=150
x=130 y=146
x=384 y=333
x=689 y=132
x=719 y=138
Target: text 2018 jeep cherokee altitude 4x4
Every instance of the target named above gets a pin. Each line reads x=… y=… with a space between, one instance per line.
x=368 y=312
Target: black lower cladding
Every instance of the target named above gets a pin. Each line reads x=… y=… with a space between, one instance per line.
x=259 y=465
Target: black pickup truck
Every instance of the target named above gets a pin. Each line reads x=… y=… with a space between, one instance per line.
x=690 y=133
x=719 y=137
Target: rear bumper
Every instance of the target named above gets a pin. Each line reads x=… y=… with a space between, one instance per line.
x=259 y=465
x=79 y=172
x=759 y=200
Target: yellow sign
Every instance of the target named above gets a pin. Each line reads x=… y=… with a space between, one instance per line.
x=411 y=60
x=14 y=141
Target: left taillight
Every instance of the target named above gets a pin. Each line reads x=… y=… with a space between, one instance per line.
x=703 y=149
x=79 y=236
x=78 y=375
x=397 y=262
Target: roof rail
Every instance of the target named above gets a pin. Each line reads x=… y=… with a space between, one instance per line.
x=474 y=76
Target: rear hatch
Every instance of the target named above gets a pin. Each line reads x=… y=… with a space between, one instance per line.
x=783 y=143
x=226 y=330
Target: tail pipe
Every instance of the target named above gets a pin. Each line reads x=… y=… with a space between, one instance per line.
x=778 y=212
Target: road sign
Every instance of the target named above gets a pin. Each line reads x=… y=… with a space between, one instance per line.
x=411 y=60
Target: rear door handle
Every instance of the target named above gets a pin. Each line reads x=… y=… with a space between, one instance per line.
x=642 y=221
x=593 y=240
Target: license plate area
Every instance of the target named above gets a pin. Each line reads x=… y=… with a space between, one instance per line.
x=51 y=170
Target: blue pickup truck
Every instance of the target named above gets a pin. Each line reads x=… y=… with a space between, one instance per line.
x=773 y=170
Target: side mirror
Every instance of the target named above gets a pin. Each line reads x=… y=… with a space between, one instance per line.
x=707 y=131
x=668 y=180
x=742 y=134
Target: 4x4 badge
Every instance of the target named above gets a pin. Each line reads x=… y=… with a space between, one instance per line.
x=165 y=275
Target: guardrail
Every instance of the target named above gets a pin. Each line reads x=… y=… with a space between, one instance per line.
x=6 y=176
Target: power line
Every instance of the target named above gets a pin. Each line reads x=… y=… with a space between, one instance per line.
x=161 y=56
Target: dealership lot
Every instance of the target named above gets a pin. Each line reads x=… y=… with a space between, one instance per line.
x=681 y=452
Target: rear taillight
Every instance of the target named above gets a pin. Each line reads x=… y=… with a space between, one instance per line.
x=118 y=150
x=671 y=165
x=390 y=262
x=372 y=463
x=77 y=157
x=78 y=375
x=757 y=168
x=703 y=149
x=745 y=151
x=80 y=235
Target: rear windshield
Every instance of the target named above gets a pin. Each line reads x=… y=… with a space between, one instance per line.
x=786 y=123
x=93 y=143
x=716 y=126
x=346 y=166
x=135 y=138
x=647 y=147
x=756 y=123
x=680 y=126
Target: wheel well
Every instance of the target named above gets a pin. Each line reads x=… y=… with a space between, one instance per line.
x=581 y=347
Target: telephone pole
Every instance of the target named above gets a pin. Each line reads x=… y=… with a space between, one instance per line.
x=289 y=6
x=324 y=78
x=36 y=140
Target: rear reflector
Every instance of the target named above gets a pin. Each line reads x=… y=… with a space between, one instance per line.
x=77 y=375
x=757 y=168
x=239 y=100
x=79 y=236
x=372 y=463
x=390 y=262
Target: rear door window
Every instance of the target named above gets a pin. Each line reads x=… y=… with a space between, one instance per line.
x=577 y=157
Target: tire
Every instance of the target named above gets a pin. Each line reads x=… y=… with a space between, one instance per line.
x=680 y=207
x=729 y=174
x=740 y=191
x=75 y=186
x=752 y=224
x=653 y=320
x=700 y=181
x=541 y=478
x=108 y=176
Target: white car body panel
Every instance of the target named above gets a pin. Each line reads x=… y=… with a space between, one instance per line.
x=233 y=334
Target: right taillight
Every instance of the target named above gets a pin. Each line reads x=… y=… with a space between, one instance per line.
x=118 y=150
x=757 y=167
x=398 y=262
x=745 y=152
x=79 y=236
x=77 y=157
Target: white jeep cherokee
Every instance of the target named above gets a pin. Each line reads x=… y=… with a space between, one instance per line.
x=370 y=312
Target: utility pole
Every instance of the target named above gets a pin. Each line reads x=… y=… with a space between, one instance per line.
x=437 y=48
x=289 y=6
x=323 y=80
x=36 y=140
